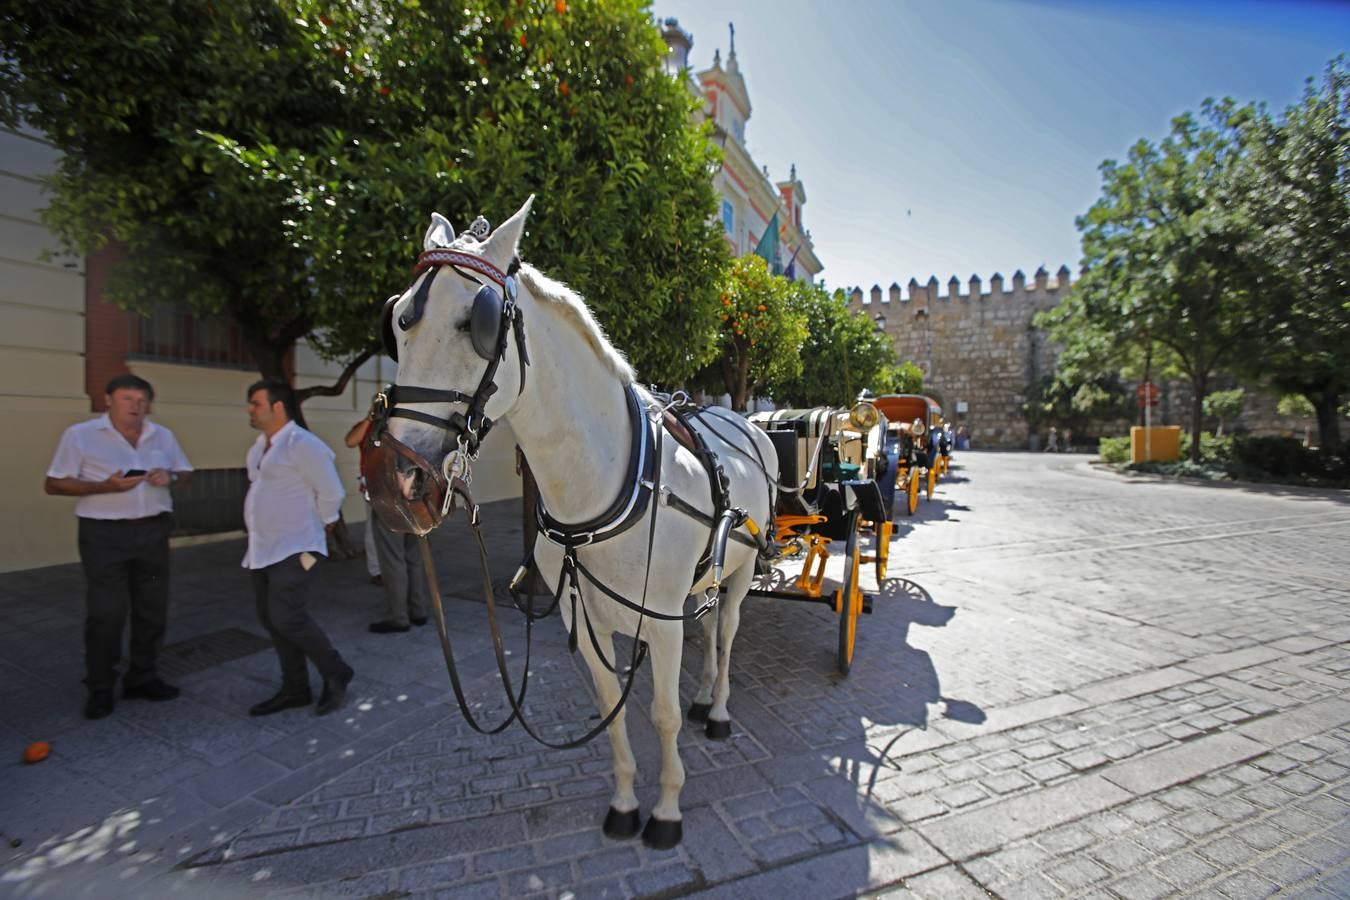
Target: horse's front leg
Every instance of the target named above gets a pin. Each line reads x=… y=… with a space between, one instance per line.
x=623 y=818
x=665 y=827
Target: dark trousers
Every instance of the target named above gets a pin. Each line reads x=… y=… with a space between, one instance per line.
x=283 y=591
x=405 y=580
x=126 y=569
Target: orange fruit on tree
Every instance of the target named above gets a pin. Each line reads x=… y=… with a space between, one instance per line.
x=36 y=752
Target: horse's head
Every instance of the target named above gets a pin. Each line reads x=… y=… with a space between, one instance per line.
x=451 y=333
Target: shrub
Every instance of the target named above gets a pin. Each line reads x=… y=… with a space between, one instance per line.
x=1216 y=451
x=1284 y=457
x=1114 y=449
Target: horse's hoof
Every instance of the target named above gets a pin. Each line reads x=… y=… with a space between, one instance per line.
x=718 y=731
x=662 y=835
x=698 y=712
x=622 y=824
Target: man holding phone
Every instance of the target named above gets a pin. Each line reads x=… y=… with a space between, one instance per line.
x=120 y=466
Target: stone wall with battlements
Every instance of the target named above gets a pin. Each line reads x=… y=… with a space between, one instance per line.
x=979 y=352
x=975 y=344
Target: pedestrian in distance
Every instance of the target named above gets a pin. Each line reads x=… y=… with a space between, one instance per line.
x=356 y=439
x=1052 y=440
x=294 y=497
x=402 y=575
x=120 y=466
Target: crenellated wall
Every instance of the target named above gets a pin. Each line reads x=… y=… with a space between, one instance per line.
x=976 y=345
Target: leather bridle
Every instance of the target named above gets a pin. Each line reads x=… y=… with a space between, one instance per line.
x=493 y=317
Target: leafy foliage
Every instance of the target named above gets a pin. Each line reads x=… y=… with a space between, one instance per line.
x=1161 y=268
x=1062 y=400
x=843 y=353
x=1223 y=250
x=125 y=102
x=1295 y=405
x=1224 y=405
x=1294 y=196
x=901 y=378
x=761 y=334
x=278 y=161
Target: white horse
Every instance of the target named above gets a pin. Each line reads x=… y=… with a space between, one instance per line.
x=571 y=399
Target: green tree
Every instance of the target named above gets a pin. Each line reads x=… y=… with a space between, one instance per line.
x=125 y=100
x=1075 y=403
x=901 y=378
x=1160 y=247
x=1224 y=405
x=761 y=335
x=1294 y=194
x=490 y=102
x=843 y=352
x=277 y=162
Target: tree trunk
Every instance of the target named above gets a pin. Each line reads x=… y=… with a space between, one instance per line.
x=1197 y=416
x=739 y=395
x=1327 y=403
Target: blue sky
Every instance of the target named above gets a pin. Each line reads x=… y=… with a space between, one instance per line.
x=963 y=137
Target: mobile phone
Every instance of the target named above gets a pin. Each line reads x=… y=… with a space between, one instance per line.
x=132 y=473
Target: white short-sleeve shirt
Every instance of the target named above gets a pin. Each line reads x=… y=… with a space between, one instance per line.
x=95 y=451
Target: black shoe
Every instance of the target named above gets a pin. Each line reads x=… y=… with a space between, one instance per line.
x=150 y=690
x=335 y=691
x=377 y=580
x=388 y=627
x=419 y=621
x=99 y=705
x=284 y=699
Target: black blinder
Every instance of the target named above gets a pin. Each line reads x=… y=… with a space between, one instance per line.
x=485 y=321
x=387 y=336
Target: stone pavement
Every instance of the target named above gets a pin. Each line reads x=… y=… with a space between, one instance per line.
x=1073 y=684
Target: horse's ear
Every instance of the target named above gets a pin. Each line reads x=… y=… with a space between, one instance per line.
x=502 y=245
x=439 y=234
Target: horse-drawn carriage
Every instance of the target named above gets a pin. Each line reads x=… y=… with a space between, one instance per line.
x=829 y=462
x=912 y=420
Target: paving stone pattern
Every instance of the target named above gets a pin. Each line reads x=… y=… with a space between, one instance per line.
x=1072 y=684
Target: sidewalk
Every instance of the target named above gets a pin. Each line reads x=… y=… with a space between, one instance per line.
x=157 y=783
x=1071 y=685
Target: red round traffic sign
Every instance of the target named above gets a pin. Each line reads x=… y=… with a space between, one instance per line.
x=1147 y=394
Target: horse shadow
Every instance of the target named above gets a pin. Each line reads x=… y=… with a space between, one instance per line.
x=907 y=603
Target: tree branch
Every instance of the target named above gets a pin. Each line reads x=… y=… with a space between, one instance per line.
x=337 y=388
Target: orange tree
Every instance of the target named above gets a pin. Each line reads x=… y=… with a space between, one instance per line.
x=762 y=331
x=274 y=162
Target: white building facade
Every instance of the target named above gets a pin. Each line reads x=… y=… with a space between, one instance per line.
x=749 y=199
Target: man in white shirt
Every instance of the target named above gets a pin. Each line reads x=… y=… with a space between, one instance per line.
x=294 y=497
x=120 y=465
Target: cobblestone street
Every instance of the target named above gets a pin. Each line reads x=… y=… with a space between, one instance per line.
x=1072 y=684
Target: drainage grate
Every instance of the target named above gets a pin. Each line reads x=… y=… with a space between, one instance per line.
x=207 y=650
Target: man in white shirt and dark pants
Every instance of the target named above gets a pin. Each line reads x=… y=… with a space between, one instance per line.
x=120 y=465
x=294 y=497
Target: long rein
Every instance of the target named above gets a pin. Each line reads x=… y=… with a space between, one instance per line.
x=459 y=487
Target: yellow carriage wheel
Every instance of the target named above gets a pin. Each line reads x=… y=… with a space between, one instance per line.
x=849 y=601
x=912 y=499
x=932 y=480
x=884 y=530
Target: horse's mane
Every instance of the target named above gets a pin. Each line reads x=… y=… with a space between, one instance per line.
x=545 y=289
